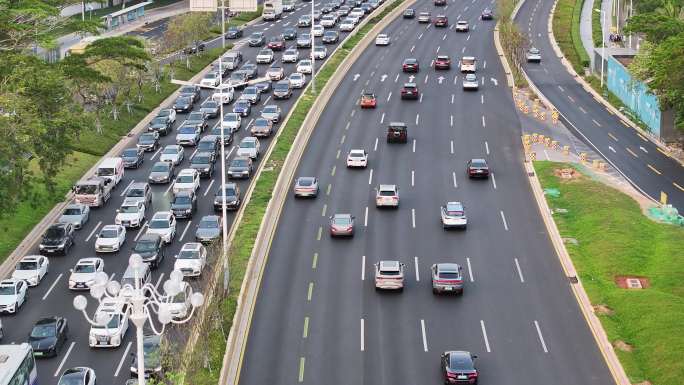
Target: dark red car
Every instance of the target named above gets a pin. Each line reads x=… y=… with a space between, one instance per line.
x=276 y=43
x=410 y=91
x=477 y=168
x=441 y=21
x=442 y=62
x=410 y=65
x=458 y=367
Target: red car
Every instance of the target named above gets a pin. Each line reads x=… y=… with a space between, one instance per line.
x=410 y=91
x=441 y=21
x=442 y=62
x=477 y=168
x=368 y=100
x=410 y=65
x=342 y=225
x=276 y=43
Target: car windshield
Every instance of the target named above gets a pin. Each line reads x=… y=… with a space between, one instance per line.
x=386 y=193
x=460 y=362
x=356 y=154
x=196 y=116
x=185 y=179
x=84 y=268
x=247 y=144
x=182 y=200
x=207 y=145
x=250 y=91
x=241 y=104
x=342 y=221
x=72 y=211
x=128 y=209
x=164 y=113
x=159 y=224
x=105 y=171
x=281 y=86
x=201 y=159
x=468 y=61
x=86 y=189
x=449 y=275
x=43 y=331
x=261 y=123
x=270 y=109
x=158 y=168
x=112 y=324
x=7 y=290
x=256 y=35
x=54 y=233
x=147 y=138
x=188 y=254
x=230 y=118
x=187 y=90
x=159 y=120
x=179 y=298
x=135 y=193
x=210 y=75
x=229 y=192
x=130 y=152
x=24 y=265
x=296 y=76
x=305 y=182
x=145 y=246
x=108 y=233
x=410 y=61
x=275 y=69
x=238 y=163
x=209 y=104
x=209 y=224
x=470 y=77
x=478 y=163
x=170 y=150
x=237 y=76
x=187 y=130
x=264 y=52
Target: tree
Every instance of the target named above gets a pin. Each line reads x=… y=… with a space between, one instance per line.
x=184 y=30
x=656 y=26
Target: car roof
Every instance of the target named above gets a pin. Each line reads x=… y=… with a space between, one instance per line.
x=149 y=237
x=47 y=320
x=110 y=227
x=75 y=206
x=442 y=56
x=342 y=216
x=187 y=171
x=455 y=204
x=357 y=150
x=88 y=261
x=478 y=160
x=387 y=187
x=192 y=246
x=249 y=139
x=162 y=215
x=30 y=258
x=462 y=22
x=410 y=85
x=211 y=218
x=448 y=267
x=389 y=265
x=468 y=58
x=131 y=202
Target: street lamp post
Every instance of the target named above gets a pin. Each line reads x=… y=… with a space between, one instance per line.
x=313 y=44
x=143 y=300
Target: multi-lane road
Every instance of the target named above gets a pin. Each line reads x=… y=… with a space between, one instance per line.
x=318 y=318
x=637 y=158
x=53 y=298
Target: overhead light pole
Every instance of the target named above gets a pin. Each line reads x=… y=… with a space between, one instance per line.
x=313 y=43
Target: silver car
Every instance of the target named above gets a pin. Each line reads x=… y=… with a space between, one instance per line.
x=306 y=186
x=389 y=275
x=470 y=82
x=453 y=215
x=209 y=229
x=387 y=195
x=533 y=55
x=76 y=213
x=271 y=112
x=447 y=277
x=172 y=153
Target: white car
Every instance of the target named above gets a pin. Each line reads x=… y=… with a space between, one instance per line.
x=470 y=82
x=357 y=12
x=290 y=56
x=84 y=273
x=179 y=305
x=389 y=275
x=249 y=147
x=211 y=79
x=533 y=55
x=163 y=223
x=110 y=333
x=265 y=56
x=347 y=25
x=187 y=180
x=172 y=153
x=32 y=269
x=275 y=73
x=357 y=158
x=304 y=66
x=297 y=80
x=382 y=39
x=318 y=30
x=320 y=52
x=232 y=121
x=131 y=213
x=110 y=239
x=12 y=295
x=387 y=195
x=328 y=21
x=224 y=96
x=462 y=26
x=453 y=215
x=191 y=259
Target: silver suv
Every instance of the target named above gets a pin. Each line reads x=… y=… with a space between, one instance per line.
x=447 y=277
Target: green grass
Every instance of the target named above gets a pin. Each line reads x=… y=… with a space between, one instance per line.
x=88 y=149
x=596 y=27
x=566 y=31
x=615 y=238
x=212 y=340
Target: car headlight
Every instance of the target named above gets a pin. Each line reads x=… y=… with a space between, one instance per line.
x=206 y=169
x=72 y=282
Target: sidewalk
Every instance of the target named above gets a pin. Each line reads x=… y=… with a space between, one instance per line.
x=154 y=14
x=586 y=29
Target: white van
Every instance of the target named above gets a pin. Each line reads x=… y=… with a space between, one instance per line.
x=468 y=64
x=112 y=169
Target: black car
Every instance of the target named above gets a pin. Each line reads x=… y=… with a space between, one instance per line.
x=48 y=336
x=133 y=157
x=487 y=14
x=289 y=34
x=240 y=167
x=256 y=39
x=232 y=197
x=184 y=204
x=210 y=108
x=197 y=119
x=195 y=48
x=409 y=13
x=410 y=65
x=203 y=162
x=458 y=367
x=330 y=37
x=251 y=70
x=160 y=124
x=183 y=104
x=151 y=248
x=263 y=87
x=194 y=91
x=58 y=238
x=227 y=134
x=210 y=144
x=367 y=8
x=238 y=79
x=234 y=33
x=477 y=168
x=161 y=172
x=148 y=141
x=152 y=355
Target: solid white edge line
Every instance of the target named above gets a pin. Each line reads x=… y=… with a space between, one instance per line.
x=517 y=265
x=422 y=332
x=93 y=232
x=503 y=218
x=484 y=335
x=470 y=270
x=53 y=285
x=362 y=335
x=541 y=338
x=415 y=262
x=363 y=267
x=118 y=368
x=61 y=364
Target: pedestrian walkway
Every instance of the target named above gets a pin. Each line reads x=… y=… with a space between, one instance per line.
x=586 y=33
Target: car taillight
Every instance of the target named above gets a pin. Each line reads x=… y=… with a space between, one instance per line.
x=472 y=375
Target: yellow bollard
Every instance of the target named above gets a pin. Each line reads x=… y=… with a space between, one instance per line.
x=533 y=156
x=595 y=164
x=535 y=137
x=554 y=144
x=566 y=150
x=526 y=109
x=547 y=142
x=583 y=157
x=542 y=116
x=540 y=138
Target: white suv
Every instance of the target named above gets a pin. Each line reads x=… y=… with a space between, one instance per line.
x=111 y=333
x=187 y=180
x=387 y=195
x=110 y=239
x=84 y=273
x=389 y=275
x=191 y=259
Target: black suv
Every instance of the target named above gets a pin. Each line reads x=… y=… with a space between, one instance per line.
x=198 y=119
x=151 y=248
x=58 y=238
x=409 y=13
x=397 y=132
x=184 y=204
x=210 y=144
x=203 y=162
x=232 y=197
x=193 y=91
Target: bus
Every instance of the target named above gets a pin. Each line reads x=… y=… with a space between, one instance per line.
x=17 y=366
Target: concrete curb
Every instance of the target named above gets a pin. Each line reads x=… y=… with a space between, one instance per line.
x=597 y=96
x=237 y=339
x=606 y=348
x=35 y=235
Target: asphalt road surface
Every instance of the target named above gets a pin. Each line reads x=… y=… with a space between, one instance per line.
x=318 y=318
x=631 y=153
x=52 y=296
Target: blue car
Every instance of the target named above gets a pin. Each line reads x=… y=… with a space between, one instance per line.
x=242 y=107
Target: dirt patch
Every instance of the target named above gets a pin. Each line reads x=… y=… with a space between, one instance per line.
x=602 y=309
x=643 y=383
x=632 y=282
x=623 y=346
x=566 y=173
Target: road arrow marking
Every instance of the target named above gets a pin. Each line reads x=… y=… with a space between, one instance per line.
x=440 y=79
x=611 y=148
x=383 y=77
x=411 y=78
x=643 y=149
x=496 y=82
x=356 y=77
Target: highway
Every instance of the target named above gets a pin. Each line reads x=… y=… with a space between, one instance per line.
x=53 y=298
x=318 y=318
x=637 y=158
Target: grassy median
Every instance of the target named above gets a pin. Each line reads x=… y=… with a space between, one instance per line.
x=566 y=21
x=615 y=239
x=206 y=364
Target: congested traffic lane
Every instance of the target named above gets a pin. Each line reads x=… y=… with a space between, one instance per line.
x=52 y=296
x=318 y=317
x=637 y=158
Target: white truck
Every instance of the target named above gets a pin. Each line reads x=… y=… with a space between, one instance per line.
x=93 y=192
x=273 y=10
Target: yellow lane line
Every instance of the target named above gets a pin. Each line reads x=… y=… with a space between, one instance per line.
x=310 y=292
